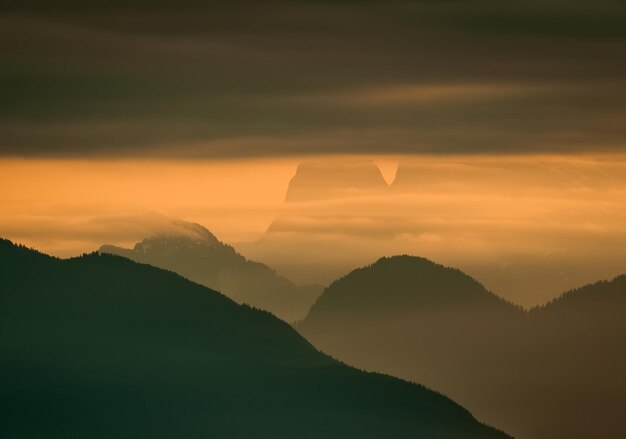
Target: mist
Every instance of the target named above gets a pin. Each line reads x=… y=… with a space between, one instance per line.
x=528 y=227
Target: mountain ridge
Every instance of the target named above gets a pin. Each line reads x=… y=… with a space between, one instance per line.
x=101 y=346
x=202 y=258
x=440 y=287
x=602 y=287
x=526 y=371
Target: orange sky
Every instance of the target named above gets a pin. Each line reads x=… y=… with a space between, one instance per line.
x=44 y=198
x=472 y=212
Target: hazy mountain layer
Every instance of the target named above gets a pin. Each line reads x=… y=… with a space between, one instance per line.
x=554 y=372
x=100 y=346
x=328 y=180
x=529 y=228
x=201 y=257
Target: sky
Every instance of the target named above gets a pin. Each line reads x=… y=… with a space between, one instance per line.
x=510 y=117
x=246 y=79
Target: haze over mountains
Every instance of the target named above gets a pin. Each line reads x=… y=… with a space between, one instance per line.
x=556 y=371
x=528 y=229
x=100 y=346
x=195 y=253
x=327 y=180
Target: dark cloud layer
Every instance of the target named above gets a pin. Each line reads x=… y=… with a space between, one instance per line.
x=240 y=78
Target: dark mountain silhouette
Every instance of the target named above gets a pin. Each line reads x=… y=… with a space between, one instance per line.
x=536 y=374
x=195 y=253
x=409 y=316
x=404 y=284
x=606 y=297
x=577 y=344
x=100 y=346
x=327 y=180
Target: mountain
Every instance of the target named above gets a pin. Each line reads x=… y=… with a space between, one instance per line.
x=605 y=297
x=555 y=371
x=100 y=346
x=403 y=284
x=195 y=253
x=325 y=180
x=577 y=348
x=411 y=317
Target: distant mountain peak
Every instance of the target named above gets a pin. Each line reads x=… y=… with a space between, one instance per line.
x=166 y=244
x=181 y=236
x=320 y=180
x=195 y=253
x=192 y=230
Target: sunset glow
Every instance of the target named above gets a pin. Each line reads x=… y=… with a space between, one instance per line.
x=479 y=213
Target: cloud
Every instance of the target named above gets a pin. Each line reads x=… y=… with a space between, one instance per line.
x=240 y=79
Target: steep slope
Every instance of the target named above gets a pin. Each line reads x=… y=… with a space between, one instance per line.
x=100 y=346
x=201 y=257
x=555 y=371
